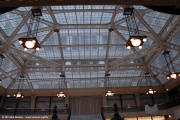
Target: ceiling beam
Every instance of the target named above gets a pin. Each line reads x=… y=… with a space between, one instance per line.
x=59 y=41
x=81 y=79
x=156 y=37
x=17 y=3
x=3 y=34
x=10 y=39
x=13 y=80
x=143 y=12
x=30 y=56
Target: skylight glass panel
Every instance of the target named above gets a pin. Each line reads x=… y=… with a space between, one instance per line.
x=87 y=17
x=116 y=39
x=41 y=35
x=139 y=7
x=176 y=63
x=79 y=7
x=67 y=52
x=92 y=84
x=61 y=19
x=119 y=16
x=25 y=85
x=56 y=7
x=80 y=17
x=81 y=41
x=124 y=33
x=8 y=65
x=24 y=29
x=97 y=7
x=5 y=82
x=71 y=18
x=9 y=22
x=109 y=7
x=106 y=18
x=156 y=20
x=162 y=78
x=68 y=7
x=24 y=8
x=114 y=52
x=96 y=17
x=124 y=83
x=44 y=75
x=176 y=39
x=52 y=40
x=160 y=60
x=49 y=53
x=46 y=17
x=68 y=75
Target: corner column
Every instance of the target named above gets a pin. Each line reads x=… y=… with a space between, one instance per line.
x=138 y=100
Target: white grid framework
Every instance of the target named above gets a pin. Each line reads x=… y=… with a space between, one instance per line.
x=84 y=49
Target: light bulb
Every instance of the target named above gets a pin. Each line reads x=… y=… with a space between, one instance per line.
x=20 y=42
x=8 y=95
x=109 y=93
x=29 y=44
x=61 y=94
x=173 y=75
x=37 y=49
x=18 y=95
x=144 y=39
x=135 y=42
x=33 y=41
x=25 y=49
x=140 y=47
x=128 y=47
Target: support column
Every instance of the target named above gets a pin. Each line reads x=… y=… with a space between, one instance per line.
x=33 y=100
x=104 y=101
x=67 y=101
x=138 y=100
x=2 y=100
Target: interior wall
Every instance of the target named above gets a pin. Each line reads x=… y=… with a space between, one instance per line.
x=85 y=105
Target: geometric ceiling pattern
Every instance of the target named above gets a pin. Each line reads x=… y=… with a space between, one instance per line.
x=84 y=49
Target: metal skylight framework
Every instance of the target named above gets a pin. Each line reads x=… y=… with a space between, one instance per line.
x=84 y=43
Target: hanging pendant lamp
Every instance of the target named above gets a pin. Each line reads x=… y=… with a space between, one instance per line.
x=135 y=39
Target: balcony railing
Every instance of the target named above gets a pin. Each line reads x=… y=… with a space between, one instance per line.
x=9 y=111
x=170 y=104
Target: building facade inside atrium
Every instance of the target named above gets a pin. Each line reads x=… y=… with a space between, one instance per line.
x=89 y=60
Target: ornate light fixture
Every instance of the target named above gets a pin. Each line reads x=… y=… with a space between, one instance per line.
x=150 y=90
x=109 y=92
x=31 y=42
x=172 y=73
x=135 y=39
x=61 y=94
x=150 y=108
x=19 y=94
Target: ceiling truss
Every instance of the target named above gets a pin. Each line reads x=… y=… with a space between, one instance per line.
x=110 y=64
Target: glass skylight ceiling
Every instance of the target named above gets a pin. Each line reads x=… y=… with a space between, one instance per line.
x=83 y=49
